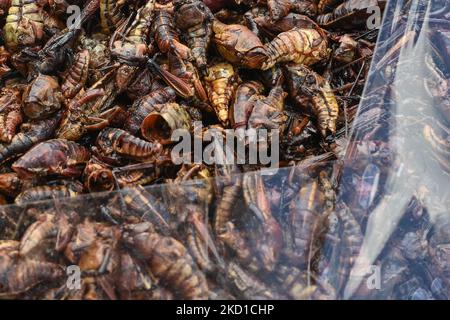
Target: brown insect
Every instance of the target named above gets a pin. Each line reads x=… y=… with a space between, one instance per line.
x=146 y=105
x=114 y=145
x=53 y=157
x=280 y=8
x=165 y=33
x=111 y=14
x=11 y=116
x=135 y=283
x=195 y=18
x=239 y=45
x=30 y=134
x=129 y=41
x=159 y=125
x=301 y=46
x=352 y=239
x=313 y=91
x=76 y=76
x=243 y=104
x=169 y=261
x=261 y=20
x=181 y=67
x=24 y=24
x=38 y=193
x=221 y=83
x=268 y=239
x=20 y=275
x=307 y=220
x=42 y=97
x=268 y=113
x=248 y=286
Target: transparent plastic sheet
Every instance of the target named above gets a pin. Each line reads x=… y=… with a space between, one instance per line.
x=284 y=235
x=397 y=165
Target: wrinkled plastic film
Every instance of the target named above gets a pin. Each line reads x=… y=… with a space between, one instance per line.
x=397 y=159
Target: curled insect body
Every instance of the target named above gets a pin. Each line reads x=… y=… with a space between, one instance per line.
x=10 y=114
x=239 y=45
x=76 y=76
x=312 y=90
x=222 y=82
x=169 y=261
x=42 y=97
x=159 y=126
x=53 y=157
x=195 y=18
x=114 y=144
x=98 y=176
x=146 y=105
x=38 y=193
x=30 y=134
x=301 y=46
x=24 y=24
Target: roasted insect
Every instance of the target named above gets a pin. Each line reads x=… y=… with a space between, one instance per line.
x=30 y=134
x=77 y=75
x=280 y=8
x=159 y=125
x=53 y=157
x=242 y=107
x=68 y=189
x=146 y=105
x=114 y=144
x=165 y=33
x=239 y=45
x=195 y=18
x=168 y=260
x=302 y=46
x=42 y=97
x=24 y=24
x=132 y=47
x=221 y=84
x=311 y=89
x=111 y=15
x=11 y=116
